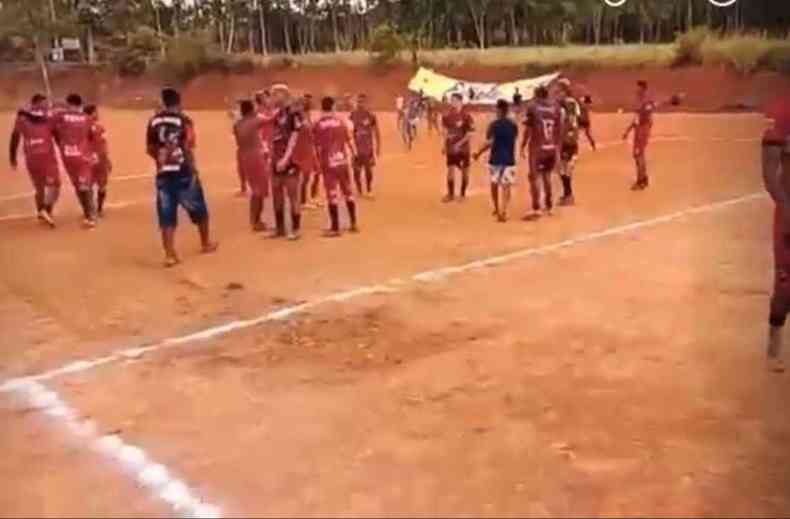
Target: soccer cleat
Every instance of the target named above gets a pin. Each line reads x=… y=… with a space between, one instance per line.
x=89 y=223
x=46 y=218
x=354 y=229
x=293 y=236
x=259 y=227
x=331 y=233
x=447 y=199
x=775 y=365
x=567 y=201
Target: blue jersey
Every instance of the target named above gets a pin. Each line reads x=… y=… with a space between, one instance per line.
x=503 y=133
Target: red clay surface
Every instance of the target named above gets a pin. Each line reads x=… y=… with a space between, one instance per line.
x=618 y=377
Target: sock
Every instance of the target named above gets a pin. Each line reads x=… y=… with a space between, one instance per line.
x=450 y=187
x=566 y=186
x=369 y=179
x=352 y=211
x=334 y=217
x=774 y=341
x=279 y=218
x=358 y=181
x=296 y=218
x=100 y=197
x=86 y=201
x=464 y=185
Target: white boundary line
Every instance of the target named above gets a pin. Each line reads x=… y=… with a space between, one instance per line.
x=133 y=460
x=394 y=285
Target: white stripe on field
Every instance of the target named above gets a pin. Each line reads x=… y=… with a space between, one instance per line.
x=391 y=286
x=157 y=479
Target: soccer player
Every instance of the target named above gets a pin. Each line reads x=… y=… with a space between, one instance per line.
x=304 y=154
x=776 y=174
x=367 y=140
x=543 y=132
x=170 y=142
x=34 y=129
x=432 y=114
x=458 y=129
x=570 y=140
x=585 y=121
x=253 y=157
x=501 y=139
x=642 y=125
x=73 y=133
x=100 y=159
x=335 y=148
x=400 y=108
x=286 y=175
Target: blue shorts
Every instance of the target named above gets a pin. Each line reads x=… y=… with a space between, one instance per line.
x=179 y=189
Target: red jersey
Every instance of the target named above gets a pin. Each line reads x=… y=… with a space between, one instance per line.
x=286 y=122
x=457 y=125
x=304 y=153
x=364 y=123
x=73 y=131
x=779 y=111
x=267 y=126
x=544 y=122
x=643 y=119
x=331 y=138
x=35 y=128
x=98 y=140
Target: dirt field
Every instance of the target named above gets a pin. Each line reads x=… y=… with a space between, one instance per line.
x=607 y=360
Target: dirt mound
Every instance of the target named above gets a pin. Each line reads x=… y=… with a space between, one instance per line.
x=706 y=89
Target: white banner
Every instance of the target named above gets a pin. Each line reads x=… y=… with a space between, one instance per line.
x=441 y=87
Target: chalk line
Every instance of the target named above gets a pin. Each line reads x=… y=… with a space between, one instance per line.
x=391 y=286
x=147 y=473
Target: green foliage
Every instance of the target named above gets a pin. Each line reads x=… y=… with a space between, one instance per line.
x=777 y=58
x=386 y=44
x=688 y=47
x=133 y=58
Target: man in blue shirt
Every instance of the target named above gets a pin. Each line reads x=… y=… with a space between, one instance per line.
x=501 y=139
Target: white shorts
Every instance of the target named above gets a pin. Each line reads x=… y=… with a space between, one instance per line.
x=502 y=175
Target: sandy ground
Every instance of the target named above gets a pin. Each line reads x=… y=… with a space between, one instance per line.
x=616 y=377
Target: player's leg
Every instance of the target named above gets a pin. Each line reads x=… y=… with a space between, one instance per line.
x=278 y=199
x=242 y=174
x=100 y=178
x=193 y=200
x=314 y=187
x=80 y=171
x=344 y=181
x=547 y=191
x=255 y=175
x=534 y=187
x=494 y=172
x=332 y=197
x=357 y=166
x=51 y=190
x=464 y=167
x=292 y=185
x=450 y=196
x=167 y=213
x=369 y=167
x=567 y=167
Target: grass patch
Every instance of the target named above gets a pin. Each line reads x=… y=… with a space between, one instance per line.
x=744 y=53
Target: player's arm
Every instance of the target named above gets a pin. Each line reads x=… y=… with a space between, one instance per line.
x=13 y=145
x=350 y=144
x=467 y=138
x=151 y=143
x=296 y=127
x=377 y=135
x=527 y=135
x=630 y=128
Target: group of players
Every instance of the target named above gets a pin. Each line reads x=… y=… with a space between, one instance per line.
x=73 y=132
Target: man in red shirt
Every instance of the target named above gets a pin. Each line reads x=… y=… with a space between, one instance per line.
x=286 y=175
x=335 y=150
x=304 y=154
x=34 y=129
x=252 y=160
x=73 y=133
x=642 y=125
x=543 y=132
x=458 y=128
x=776 y=174
x=367 y=140
x=100 y=158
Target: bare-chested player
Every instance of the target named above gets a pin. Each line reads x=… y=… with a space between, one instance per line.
x=543 y=133
x=286 y=175
x=776 y=174
x=642 y=126
x=367 y=139
x=100 y=158
x=33 y=129
x=73 y=133
x=253 y=157
x=458 y=127
x=335 y=151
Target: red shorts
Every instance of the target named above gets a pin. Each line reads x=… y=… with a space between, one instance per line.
x=100 y=172
x=43 y=171
x=542 y=161
x=458 y=160
x=337 y=177
x=781 y=256
x=364 y=161
x=254 y=167
x=641 y=140
x=79 y=170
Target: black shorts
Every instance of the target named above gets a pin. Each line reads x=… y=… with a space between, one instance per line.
x=584 y=124
x=569 y=151
x=777 y=143
x=459 y=160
